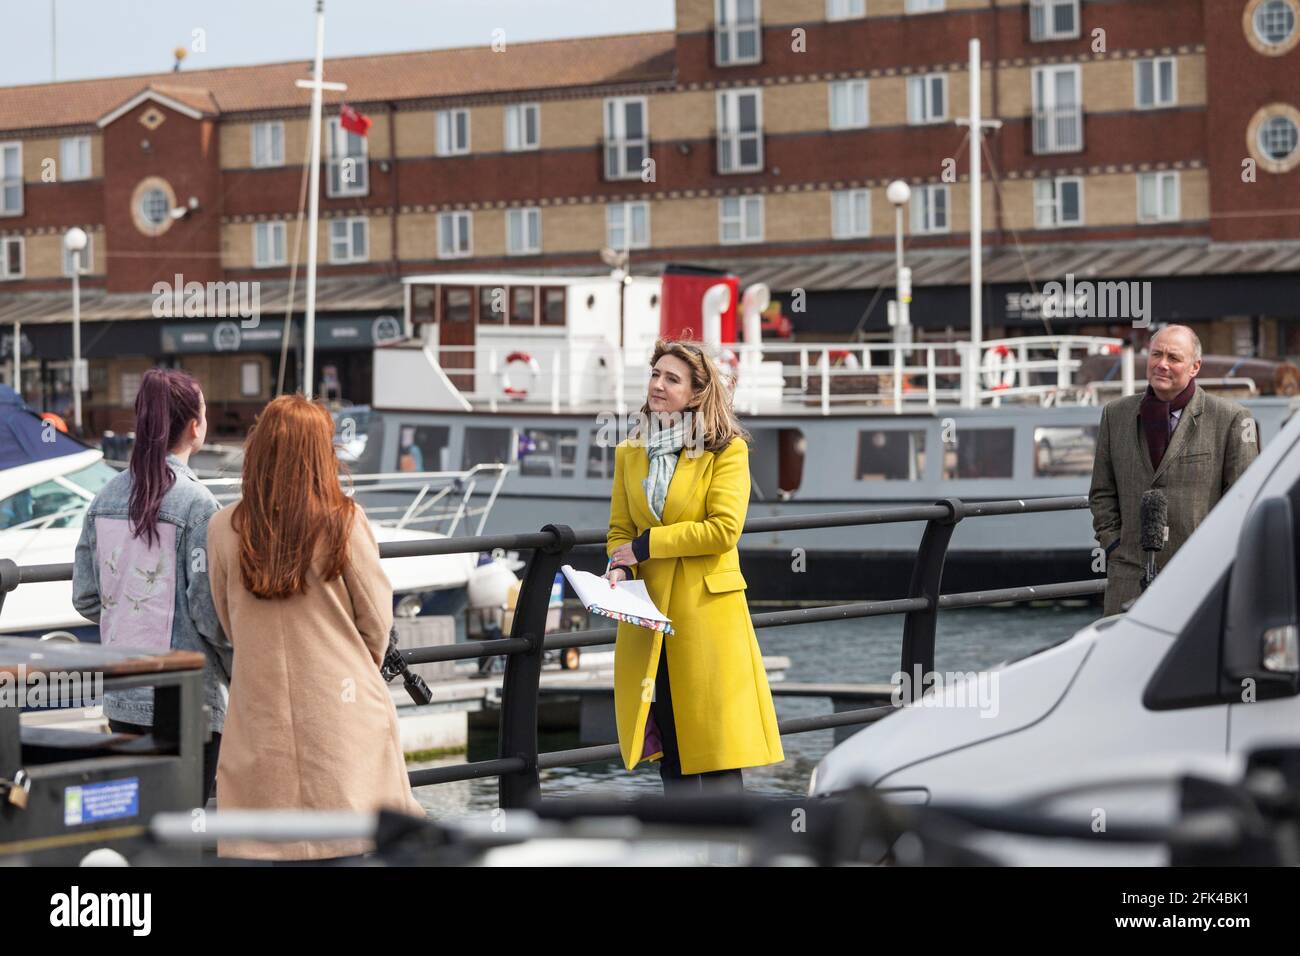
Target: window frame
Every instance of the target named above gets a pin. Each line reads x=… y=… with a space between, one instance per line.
x=17 y=146
x=921 y=207
x=335 y=134
x=536 y=215
x=1161 y=215
x=1156 y=102
x=849 y=195
x=927 y=116
x=352 y=257
x=851 y=85
x=924 y=6
x=849 y=7
x=1050 y=33
x=626 y=207
x=6 y=242
x=85 y=153
x=728 y=103
x=733 y=29
x=516 y=127
x=270 y=228
x=449 y=145
x=616 y=136
x=269 y=127
x=742 y=219
x=1050 y=144
x=1055 y=202
x=456 y=216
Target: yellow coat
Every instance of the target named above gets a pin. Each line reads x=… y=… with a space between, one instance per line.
x=722 y=704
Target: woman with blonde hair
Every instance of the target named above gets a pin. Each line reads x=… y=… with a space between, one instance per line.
x=297 y=583
x=678 y=504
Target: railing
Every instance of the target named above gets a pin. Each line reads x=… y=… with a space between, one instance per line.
x=815 y=376
x=1058 y=130
x=518 y=762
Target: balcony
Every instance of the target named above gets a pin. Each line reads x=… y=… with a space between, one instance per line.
x=1058 y=130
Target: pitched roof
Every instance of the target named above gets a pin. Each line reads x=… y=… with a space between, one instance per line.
x=465 y=71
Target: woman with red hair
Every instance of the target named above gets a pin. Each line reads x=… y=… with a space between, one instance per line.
x=297 y=583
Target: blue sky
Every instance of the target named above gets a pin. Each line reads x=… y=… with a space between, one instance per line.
x=117 y=37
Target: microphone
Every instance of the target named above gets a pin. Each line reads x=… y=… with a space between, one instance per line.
x=1155 y=529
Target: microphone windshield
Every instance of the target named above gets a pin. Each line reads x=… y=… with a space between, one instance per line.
x=1155 y=518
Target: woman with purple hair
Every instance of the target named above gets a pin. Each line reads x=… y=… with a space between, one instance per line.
x=141 y=568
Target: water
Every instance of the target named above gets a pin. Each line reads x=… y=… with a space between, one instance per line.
x=858 y=651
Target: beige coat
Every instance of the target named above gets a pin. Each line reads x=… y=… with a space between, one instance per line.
x=1214 y=442
x=311 y=725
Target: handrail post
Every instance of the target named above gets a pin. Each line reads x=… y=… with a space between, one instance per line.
x=927 y=578
x=10 y=576
x=519 y=690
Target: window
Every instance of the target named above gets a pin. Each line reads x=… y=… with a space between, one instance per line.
x=454 y=236
x=268 y=144
x=1158 y=197
x=11 y=179
x=453 y=132
x=348 y=162
x=1064 y=451
x=923 y=6
x=349 y=240
x=600 y=457
x=74 y=158
x=890 y=455
x=927 y=98
x=521 y=127
x=523 y=305
x=544 y=453
x=1053 y=19
x=846 y=9
x=250 y=379
x=485 y=446
x=1154 y=83
x=554 y=300
x=850 y=213
x=627 y=141
x=979 y=453
x=1058 y=116
x=849 y=104
x=930 y=209
x=11 y=257
x=740 y=219
x=491 y=305
x=740 y=131
x=737 y=38
x=1058 y=202
x=1277 y=138
x=423 y=447
x=45 y=500
x=154 y=207
x=1274 y=22
x=268 y=244
x=523 y=231
x=87 y=257
x=627 y=225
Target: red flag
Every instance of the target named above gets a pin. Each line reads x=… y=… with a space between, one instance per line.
x=354 y=122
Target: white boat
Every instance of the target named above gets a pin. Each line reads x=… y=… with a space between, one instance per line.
x=51 y=478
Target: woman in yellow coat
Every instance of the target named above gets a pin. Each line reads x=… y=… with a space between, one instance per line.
x=696 y=700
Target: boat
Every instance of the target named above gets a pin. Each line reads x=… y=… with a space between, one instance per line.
x=48 y=478
x=553 y=384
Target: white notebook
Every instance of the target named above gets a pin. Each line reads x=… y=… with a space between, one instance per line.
x=627 y=601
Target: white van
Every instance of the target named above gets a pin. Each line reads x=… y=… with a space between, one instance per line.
x=1200 y=671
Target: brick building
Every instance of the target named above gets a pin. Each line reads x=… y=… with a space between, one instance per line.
x=1154 y=140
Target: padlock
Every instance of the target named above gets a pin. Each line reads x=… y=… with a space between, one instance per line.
x=20 y=789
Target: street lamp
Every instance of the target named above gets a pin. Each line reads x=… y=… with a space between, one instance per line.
x=74 y=240
x=899 y=193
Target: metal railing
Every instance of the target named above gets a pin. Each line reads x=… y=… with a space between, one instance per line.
x=518 y=762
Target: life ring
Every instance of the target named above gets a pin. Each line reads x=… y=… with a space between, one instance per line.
x=998 y=371
x=510 y=389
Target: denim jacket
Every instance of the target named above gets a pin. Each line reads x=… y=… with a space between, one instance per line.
x=153 y=597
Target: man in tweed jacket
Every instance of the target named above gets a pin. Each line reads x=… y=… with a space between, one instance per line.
x=1207 y=443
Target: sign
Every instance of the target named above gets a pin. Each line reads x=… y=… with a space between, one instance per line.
x=361 y=334
x=93 y=802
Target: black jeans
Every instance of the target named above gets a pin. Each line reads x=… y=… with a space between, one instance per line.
x=675 y=782
x=211 y=751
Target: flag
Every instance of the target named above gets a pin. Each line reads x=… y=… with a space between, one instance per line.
x=354 y=122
